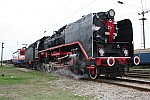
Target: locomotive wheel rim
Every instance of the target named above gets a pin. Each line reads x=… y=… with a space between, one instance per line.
x=136 y=58
x=49 y=69
x=93 y=76
x=44 y=68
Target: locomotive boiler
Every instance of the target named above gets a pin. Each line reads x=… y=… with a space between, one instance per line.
x=95 y=45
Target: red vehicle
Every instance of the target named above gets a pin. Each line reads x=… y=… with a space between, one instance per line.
x=94 y=45
x=19 y=57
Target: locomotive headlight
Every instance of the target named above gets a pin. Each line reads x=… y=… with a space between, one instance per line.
x=126 y=52
x=111 y=13
x=101 y=51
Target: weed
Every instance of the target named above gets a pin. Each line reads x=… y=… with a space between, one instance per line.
x=31 y=85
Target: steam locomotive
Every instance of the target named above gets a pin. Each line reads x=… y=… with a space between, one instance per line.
x=94 y=45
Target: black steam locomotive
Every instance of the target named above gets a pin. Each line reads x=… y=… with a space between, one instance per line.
x=95 y=45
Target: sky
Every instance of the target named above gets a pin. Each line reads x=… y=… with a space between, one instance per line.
x=24 y=21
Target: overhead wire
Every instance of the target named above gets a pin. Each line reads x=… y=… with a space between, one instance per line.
x=50 y=18
x=132 y=13
x=69 y=15
x=142 y=5
x=73 y=13
x=129 y=14
x=79 y=10
x=82 y=9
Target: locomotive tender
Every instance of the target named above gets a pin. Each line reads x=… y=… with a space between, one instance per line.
x=95 y=45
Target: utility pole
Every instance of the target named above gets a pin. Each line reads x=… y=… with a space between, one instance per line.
x=143 y=19
x=2 y=54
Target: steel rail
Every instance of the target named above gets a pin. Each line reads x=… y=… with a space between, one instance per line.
x=133 y=81
x=121 y=84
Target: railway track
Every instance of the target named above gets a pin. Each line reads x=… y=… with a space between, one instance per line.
x=129 y=83
x=138 y=73
x=137 y=84
x=133 y=81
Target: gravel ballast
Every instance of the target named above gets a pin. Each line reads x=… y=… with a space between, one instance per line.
x=99 y=91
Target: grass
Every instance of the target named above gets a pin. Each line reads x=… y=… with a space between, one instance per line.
x=12 y=79
x=14 y=76
x=16 y=84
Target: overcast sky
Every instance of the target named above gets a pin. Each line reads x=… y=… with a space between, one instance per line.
x=24 y=21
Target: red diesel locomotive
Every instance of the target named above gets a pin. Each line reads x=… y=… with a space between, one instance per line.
x=19 y=57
